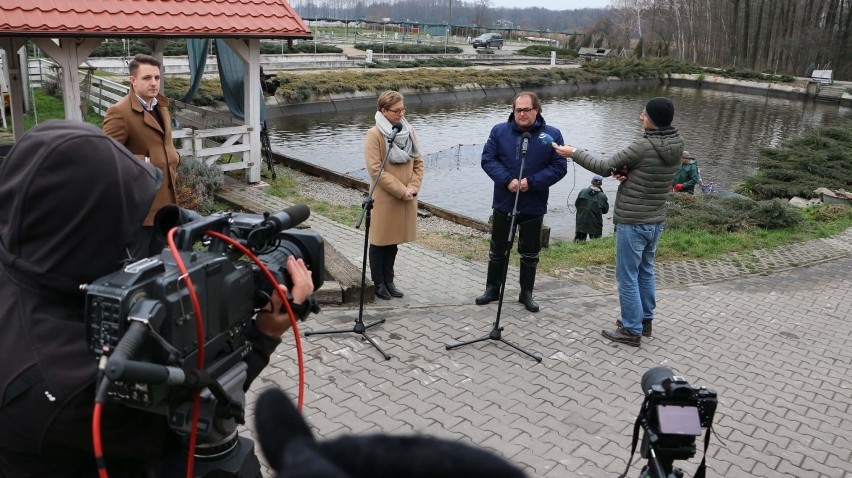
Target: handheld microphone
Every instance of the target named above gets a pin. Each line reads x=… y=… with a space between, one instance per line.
x=277 y=222
x=545 y=139
x=525 y=142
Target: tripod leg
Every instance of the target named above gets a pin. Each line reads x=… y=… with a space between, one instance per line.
x=519 y=349
x=481 y=339
x=496 y=332
x=359 y=327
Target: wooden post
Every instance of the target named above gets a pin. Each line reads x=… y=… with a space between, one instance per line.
x=545 y=235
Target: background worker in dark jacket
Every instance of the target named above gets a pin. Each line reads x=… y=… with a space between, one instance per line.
x=543 y=168
x=640 y=209
x=591 y=205
x=686 y=176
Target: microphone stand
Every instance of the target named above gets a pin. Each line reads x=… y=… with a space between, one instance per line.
x=366 y=207
x=497 y=331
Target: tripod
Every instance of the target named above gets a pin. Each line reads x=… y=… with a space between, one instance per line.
x=367 y=206
x=236 y=459
x=497 y=331
x=657 y=467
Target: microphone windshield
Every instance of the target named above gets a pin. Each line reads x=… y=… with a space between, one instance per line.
x=298 y=214
x=397 y=127
x=275 y=223
x=526 y=136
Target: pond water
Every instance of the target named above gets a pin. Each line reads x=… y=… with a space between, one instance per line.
x=723 y=130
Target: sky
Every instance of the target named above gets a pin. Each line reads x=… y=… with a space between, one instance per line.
x=551 y=4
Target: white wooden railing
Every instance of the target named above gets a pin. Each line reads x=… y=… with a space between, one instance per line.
x=197 y=142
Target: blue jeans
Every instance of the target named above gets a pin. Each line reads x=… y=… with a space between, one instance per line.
x=635 y=246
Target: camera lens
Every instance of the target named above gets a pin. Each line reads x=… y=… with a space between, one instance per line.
x=655 y=376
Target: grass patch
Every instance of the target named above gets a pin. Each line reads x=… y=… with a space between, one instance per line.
x=287 y=188
x=459 y=245
x=428 y=63
x=544 y=50
x=407 y=48
x=47 y=108
x=680 y=244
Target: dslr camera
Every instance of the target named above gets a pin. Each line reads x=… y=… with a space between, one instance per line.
x=143 y=319
x=672 y=415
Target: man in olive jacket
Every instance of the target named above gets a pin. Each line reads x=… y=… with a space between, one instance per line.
x=141 y=122
x=650 y=163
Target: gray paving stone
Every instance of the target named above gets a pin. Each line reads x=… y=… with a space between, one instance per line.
x=768 y=330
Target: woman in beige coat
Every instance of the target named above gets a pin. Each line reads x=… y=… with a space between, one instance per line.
x=394 y=215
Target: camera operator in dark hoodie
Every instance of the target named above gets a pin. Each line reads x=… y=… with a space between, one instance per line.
x=73 y=199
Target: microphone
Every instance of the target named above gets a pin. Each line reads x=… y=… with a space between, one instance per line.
x=545 y=139
x=525 y=142
x=395 y=129
x=275 y=223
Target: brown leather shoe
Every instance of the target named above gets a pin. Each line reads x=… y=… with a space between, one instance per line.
x=623 y=336
x=646 y=327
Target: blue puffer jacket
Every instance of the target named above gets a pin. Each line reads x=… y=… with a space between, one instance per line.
x=542 y=168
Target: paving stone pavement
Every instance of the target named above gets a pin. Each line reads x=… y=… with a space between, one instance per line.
x=768 y=335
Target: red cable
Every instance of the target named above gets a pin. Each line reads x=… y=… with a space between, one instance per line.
x=199 y=331
x=96 y=440
x=284 y=300
x=199 y=328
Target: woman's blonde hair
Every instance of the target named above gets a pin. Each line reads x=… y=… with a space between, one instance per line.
x=387 y=99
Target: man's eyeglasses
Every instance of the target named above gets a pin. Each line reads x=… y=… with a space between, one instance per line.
x=523 y=110
x=396 y=111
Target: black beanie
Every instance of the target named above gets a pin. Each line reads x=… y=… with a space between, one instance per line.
x=660 y=110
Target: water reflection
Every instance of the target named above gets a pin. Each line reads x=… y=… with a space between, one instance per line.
x=722 y=130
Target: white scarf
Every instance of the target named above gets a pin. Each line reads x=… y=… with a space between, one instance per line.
x=403 y=148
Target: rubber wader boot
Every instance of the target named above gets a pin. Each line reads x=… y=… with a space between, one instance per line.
x=527 y=283
x=492 y=283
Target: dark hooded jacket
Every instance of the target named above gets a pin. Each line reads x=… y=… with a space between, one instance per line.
x=73 y=199
x=651 y=163
x=543 y=166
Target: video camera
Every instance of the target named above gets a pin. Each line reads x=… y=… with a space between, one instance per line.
x=161 y=375
x=672 y=415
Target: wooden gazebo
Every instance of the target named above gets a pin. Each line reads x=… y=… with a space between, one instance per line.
x=68 y=31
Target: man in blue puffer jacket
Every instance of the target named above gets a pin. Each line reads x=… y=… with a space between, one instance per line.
x=543 y=167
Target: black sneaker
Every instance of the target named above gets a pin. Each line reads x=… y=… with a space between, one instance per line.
x=623 y=336
x=646 y=327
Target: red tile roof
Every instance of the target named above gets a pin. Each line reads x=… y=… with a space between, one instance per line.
x=151 y=18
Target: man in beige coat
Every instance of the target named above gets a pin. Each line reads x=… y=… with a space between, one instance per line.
x=394 y=216
x=141 y=122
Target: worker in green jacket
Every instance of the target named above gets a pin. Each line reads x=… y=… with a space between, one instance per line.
x=591 y=204
x=686 y=176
